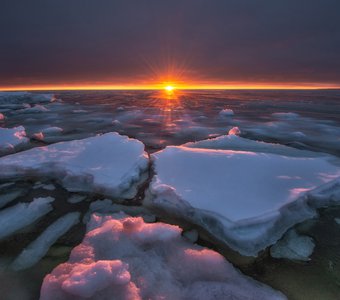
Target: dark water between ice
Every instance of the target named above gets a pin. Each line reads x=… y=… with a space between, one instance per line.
x=306 y=120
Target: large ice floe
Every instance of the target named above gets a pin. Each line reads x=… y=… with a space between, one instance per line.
x=12 y=139
x=122 y=257
x=245 y=193
x=108 y=164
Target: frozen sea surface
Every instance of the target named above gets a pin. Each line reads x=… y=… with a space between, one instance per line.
x=295 y=131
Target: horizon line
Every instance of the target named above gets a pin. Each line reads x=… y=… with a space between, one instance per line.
x=176 y=87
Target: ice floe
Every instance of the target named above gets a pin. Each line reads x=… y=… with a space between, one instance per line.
x=39 y=247
x=108 y=164
x=4 y=186
x=293 y=246
x=234 y=142
x=12 y=139
x=8 y=197
x=122 y=257
x=76 y=198
x=48 y=187
x=47 y=134
x=52 y=130
x=20 y=215
x=34 y=109
x=246 y=199
x=226 y=112
x=79 y=111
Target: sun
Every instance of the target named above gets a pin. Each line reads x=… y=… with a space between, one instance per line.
x=169 y=88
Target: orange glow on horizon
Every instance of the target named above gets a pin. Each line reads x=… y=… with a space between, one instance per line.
x=169 y=75
x=179 y=86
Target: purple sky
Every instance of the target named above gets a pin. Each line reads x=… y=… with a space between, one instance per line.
x=128 y=41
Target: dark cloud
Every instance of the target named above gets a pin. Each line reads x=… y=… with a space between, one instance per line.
x=47 y=41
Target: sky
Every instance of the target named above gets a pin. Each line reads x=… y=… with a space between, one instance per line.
x=69 y=43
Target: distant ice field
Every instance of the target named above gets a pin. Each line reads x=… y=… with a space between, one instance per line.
x=303 y=119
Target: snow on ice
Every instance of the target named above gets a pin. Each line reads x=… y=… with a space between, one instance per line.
x=246 y=199
x=125 y=258
x=234 y=142
x=109 y=164
x=12 y=139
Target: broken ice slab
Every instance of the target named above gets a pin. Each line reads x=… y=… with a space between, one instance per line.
x=39 y=247
x=245 y=199
x=12 y=139
x=21 y=215
x=108 y=164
